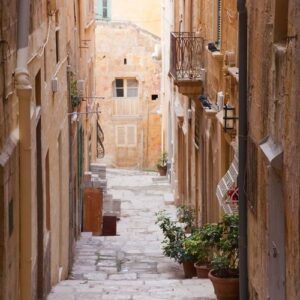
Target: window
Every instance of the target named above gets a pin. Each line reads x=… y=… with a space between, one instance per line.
x=126 y=88
x=126 y=136
x=37 y=86
x=11 y=217
x=281 y=20
x=103 y=9
x=57 y=37
x=197 y=129
x=154 y=97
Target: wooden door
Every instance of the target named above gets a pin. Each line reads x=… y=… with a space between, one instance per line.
x=276 y=252
x=92 y=210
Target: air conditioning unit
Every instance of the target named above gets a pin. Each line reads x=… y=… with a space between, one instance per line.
x=229 y=58
x=220 y=100
x=80 y=87
x=52 y=6
x=54 y=84
x=202 y=74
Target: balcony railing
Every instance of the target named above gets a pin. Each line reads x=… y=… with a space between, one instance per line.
x=186 y=56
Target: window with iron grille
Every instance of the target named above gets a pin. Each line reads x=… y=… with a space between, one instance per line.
x=252 y=174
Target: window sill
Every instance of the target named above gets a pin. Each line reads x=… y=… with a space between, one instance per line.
x=234 y=72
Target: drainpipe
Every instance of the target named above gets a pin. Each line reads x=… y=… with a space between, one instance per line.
x=243 y=132
x=23 y=90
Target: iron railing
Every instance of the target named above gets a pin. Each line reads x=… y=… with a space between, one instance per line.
x=186 y=56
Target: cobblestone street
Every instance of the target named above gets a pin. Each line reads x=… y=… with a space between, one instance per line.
x=131 y=265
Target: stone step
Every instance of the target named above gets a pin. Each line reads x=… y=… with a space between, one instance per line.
x=134 y=289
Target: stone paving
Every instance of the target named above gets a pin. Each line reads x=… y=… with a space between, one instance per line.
x=131 y=265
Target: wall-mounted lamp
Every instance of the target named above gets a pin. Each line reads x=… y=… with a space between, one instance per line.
x=229 y=118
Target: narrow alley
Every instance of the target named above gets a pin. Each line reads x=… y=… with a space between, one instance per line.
x=131 y=264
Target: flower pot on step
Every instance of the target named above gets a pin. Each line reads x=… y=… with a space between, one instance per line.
x=162 y=170
x=202 y=270
x=225 y=288
x=189 y=269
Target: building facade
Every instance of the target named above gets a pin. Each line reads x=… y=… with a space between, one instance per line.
x=200 y=76
x=273 y=158
x=200 y=94
x=128 y=79
x=42 y=45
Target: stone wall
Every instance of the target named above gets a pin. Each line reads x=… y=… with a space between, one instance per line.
x=131 y=59
x=37 y=257
x=273 y=113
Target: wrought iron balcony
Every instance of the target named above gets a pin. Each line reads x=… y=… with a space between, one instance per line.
x=186 y=57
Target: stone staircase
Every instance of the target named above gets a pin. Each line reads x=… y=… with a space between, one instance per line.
x=130 y=265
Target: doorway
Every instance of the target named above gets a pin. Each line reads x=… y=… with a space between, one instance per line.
x=276 y=224
x=40 y=212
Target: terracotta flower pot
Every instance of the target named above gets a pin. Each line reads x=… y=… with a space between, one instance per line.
x=201 y=270
x=189 y=269
x=162 y=170
x=225 y=288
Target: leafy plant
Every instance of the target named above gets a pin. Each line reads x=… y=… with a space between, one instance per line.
x=162 y=161
x=225 y=260
x=174 y=238
x=186 y=215
x=75 y=99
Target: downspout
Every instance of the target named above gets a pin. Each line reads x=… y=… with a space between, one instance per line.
x=243 y=132
x=24 y=91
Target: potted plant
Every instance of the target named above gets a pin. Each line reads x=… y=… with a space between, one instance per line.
x=173 y=243
x=201 y=244
x=162 y=164
x=224 y=274
x=186 y=215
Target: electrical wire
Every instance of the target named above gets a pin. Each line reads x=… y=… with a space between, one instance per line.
x=41 y=50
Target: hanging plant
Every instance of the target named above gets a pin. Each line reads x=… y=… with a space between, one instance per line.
x=75 y=99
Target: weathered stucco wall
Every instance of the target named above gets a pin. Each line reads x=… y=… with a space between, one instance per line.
x=274 y=113
x=131 y=59
x=145 y=14
x=39 y=255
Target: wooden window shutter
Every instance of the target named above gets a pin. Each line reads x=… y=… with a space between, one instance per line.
x=131 y=135
x=252 y=174
x=120 y=136
x=108 y=9
x=99 y=14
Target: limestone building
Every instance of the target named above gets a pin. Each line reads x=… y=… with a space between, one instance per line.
x=203 y=74
x=127 y=76
x=42 y=44
x=198 y=81
x=273 y=149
